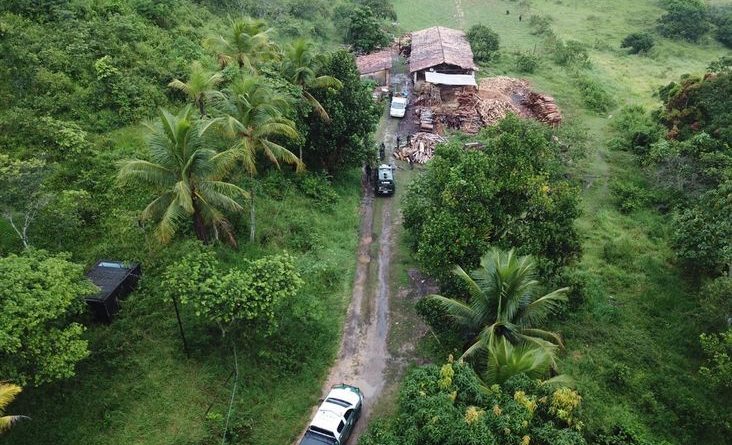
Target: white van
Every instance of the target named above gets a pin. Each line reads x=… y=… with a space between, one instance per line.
x=398 y=106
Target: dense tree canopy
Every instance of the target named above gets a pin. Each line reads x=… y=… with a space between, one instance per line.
x=345 y=141
x=40 y=295
x=684 y=19
x=364 y=30
x=508 y=193
x=484 y=42
x=447 y=406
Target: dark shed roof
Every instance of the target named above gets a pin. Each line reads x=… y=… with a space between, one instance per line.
x=109 y=275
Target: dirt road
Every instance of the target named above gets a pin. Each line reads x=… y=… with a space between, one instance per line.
x=364 y=359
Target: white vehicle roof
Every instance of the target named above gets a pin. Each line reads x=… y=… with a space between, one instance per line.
x=399 y=100
x=330 y=414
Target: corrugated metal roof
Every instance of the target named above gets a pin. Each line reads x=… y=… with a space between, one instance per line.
x=438 y=45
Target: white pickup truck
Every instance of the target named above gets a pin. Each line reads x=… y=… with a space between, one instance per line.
x=398 y=106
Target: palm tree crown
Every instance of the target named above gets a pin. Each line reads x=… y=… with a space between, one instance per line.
x=247 y=43
x=254 y=118
x=506 y=360
x=503 y=302
x=300 y=66
x=201 y=86
x=189 y=178
x=8 y=392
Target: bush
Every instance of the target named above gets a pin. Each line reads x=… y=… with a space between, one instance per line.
x=527 y=62
x=628 y=197
x=638 y=42
x=541 y=24
x=484 y=42
x=571 y=53
x=721 y=16
x=715 y=304
x=594 y=95
x=636 y=130
x=684 y=19
x=718 y=351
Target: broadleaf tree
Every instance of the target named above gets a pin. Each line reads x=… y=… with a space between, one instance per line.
x=41 y=294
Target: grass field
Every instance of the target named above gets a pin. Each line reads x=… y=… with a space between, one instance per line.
x=632 y=346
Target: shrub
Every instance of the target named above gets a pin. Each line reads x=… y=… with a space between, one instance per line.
x=715 y=304
x=594 y=95
x=638 y=42
x=541 y=24
x=718 y=351
x=721 y=16
x=571 y=53
x=527 y=62
x=628 y=197
x=684 y=19
x=636 y=130
x=484 y=42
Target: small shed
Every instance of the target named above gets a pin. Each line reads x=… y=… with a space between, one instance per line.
x=377 y=65
x=115 y=280
x=445 y=52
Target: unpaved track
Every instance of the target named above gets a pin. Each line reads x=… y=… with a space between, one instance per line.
x=363 y=358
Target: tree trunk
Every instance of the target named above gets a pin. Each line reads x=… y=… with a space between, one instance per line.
x=201 y=107
x=252 y=216
x=198 y=225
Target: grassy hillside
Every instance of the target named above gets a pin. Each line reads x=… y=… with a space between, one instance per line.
x=632 y=346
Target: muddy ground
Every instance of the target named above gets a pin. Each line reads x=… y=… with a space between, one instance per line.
x=364 y=359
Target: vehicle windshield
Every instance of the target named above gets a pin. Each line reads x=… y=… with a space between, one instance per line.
x=398 y=106
x=322 y=431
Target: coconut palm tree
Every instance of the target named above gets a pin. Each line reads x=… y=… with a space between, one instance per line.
x=255 y=120
x=300 y=66
x=506 y=360
x=246 y=43
x=200 y=87
x=189 y=179
x=502 y=302
x=8 y=392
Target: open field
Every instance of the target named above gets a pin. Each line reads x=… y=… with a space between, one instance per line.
x=637 y=316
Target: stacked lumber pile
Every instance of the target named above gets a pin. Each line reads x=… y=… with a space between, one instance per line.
x=426 y=119
x=544 y=108
x=421 y=149
x=429 y=96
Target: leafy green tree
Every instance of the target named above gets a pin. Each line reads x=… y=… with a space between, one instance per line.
x=40 y=295
x=527 y=62
x=247 y=43
x=503 y=302
x=188 y=177
x=638 y=42
x=8 y=392
x=718 y=350
x=300 y=66
x=364 y=31
x=448 y=406
x=484 y=42
x=251 y=294
x=511 y=193
x=22 y=195
x=703 y=233
x=506 y=360
x=698 y=104
x=255 y=119
x=200 y=87
x=684 y=19
x=346 y=140
x=383 y=9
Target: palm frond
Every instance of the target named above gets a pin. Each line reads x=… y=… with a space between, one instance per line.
x=317 y=107
x=326 y=82
x=460 y=312
x=145 y=171
x=538 y=310
x=157 y=207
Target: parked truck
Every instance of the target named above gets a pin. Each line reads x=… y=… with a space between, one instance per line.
x=384 y=183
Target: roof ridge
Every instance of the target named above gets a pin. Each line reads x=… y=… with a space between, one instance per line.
x=442 y=46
